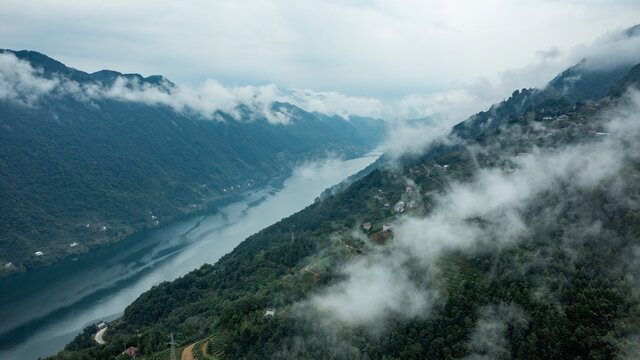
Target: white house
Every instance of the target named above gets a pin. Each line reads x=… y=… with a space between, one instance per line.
x=387 y=227
x=269 y=312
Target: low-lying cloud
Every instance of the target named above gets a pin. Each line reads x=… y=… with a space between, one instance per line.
x=26 y=85
x=489 y=209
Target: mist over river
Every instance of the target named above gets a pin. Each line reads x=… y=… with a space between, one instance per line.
x=44 y=309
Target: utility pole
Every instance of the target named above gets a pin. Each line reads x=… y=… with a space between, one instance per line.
x=173 y=350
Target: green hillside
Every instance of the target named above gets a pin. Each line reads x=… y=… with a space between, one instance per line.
x=91 y=172
x=522 y=239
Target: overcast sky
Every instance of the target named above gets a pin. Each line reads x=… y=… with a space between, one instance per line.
x=388 y=50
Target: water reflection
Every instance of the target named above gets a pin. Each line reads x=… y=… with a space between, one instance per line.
x=44 y=309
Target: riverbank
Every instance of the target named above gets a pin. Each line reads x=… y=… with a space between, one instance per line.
x=75 y=236
x=100 y=284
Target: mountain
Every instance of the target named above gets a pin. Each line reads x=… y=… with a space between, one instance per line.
x=516 y=238
x=89 y=169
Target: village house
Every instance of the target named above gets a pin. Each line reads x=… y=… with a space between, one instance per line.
x=101 y=325
x=270 y=312
x=132 y=351
x=366 y=226
x=563 y=117
x=8 y=265
x=409 y=190
x=387 y=206
x=73 y=244
x=387 y=227
x=39 y=253
x=399 y=207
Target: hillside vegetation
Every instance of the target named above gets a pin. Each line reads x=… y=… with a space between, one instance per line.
x=92 y=171
x=517 y=237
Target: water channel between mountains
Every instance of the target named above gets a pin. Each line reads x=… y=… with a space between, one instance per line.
x=44 y=309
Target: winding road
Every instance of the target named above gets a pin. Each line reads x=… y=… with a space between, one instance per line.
x=98 y=338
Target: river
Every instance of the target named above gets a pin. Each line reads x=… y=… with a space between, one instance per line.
x=44 y=309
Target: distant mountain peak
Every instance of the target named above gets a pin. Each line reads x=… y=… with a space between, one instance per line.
x=50 y=67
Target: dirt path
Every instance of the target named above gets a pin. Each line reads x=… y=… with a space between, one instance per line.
x=187 y=353
x=204 y=348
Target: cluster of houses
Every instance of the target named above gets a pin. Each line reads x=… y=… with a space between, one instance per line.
x=385 y=227
x=560 y=117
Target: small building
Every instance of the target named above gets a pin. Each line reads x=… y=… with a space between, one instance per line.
x=156 y=223
x=445 y=167
x=399 y=207
x=73 y=244
x=602 y=134
x=412 y=204
x=366 y=226
x=547 y=118
x=39 y=253
x=270 y=312
x=387 y=206
x=563 y=117
x=132 y=351
x=409 y=190
x=8 y=265
x=437 y=166
x=87 y=225
x=104 y=228
x=101 y=325
x=153 y=217
x=387 y=227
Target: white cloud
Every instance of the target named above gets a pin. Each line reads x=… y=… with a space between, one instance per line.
x=20 y=82
x=382 y=49
x=382 y=285
x=334 y=103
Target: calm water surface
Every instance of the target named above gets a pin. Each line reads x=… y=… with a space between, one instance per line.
x=42 y=310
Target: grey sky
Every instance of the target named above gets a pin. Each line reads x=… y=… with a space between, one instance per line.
x=387 y=50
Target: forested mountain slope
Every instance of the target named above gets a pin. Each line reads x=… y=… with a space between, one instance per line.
x=519 y=240
x=82 y=163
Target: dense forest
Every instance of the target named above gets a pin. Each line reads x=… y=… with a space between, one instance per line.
x=516 y=237
x=91 y=171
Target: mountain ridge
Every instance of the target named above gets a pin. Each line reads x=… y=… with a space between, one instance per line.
x=558 y=293
x=68 y=162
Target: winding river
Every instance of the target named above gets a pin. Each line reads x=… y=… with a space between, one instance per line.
x=43 y=309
